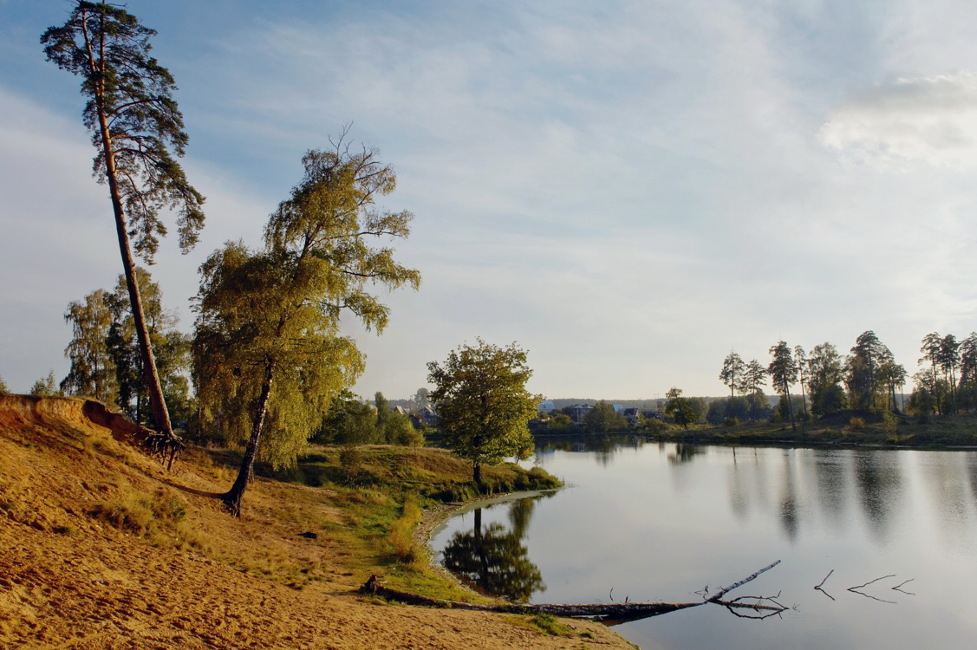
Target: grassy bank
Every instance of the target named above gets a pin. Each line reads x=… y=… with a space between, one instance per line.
x=847 y=428
x=375 y=495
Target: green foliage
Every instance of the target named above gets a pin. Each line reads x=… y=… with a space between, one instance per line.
x=494 y=560
x=3 y=387
x=721 y=410
x=967 y=393
x=681 y=409
x=602 y=418
x=864 y=379
x=560 y=421
x=92 y=372
x=267 y=352
x=104 y=351
x=483 y=403
x=171 y=350
x=348 y=421
x=45 y=386
x=133 y=119
x=732 y=372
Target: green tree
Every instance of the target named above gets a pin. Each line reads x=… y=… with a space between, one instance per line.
x=3 y=387
x=348 y=421
x=681 y=409
x=862 y=371
x=968 y=371
x=891 y=375
x=824 y=372
x=800 y=358
x=602 y=418
x=267 y=344
x=383 y=414
x=732 y=372
x=754 y=377
x=948 y=358
x=480 y=395
x=137 y=129
x=783 y=373
x=171 y=346
x=45 y=386
x=92 y=372
x=560 y=421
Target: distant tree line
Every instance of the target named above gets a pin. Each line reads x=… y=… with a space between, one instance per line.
x=867 y=378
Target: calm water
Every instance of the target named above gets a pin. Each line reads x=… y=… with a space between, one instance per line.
x=652 y=522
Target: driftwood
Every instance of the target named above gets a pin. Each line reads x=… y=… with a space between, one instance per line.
x=607 y=613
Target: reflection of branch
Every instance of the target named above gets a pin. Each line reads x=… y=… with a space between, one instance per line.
x=857 y=589
x=819 y=586
x=898 y=587
x=758 y=606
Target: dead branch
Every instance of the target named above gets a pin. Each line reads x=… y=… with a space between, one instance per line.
x=608 y=613
x=725 y=590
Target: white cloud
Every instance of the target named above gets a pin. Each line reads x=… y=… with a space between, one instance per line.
x=929 y=120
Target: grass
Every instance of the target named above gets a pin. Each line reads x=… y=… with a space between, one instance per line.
x=880 y=430
x=363 y=503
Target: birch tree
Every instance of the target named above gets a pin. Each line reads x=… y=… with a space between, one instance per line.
x=268 y=354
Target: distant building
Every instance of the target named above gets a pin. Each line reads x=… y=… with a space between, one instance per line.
x=545 y=407
x=428 y=417
x=579 y=411
x=632 y=415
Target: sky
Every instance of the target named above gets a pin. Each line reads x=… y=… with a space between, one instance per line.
x=629 y=190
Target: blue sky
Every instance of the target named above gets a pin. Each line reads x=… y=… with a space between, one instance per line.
x=629 y=190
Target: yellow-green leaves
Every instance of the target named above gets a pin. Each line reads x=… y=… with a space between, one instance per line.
x=482 y=401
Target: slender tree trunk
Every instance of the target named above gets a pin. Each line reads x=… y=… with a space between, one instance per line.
x=232 y=499
x=477 y=474
x=790 y=411
x=161 y=417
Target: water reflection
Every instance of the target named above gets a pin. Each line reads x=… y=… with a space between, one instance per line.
x=879 y=483
x=832 y=484
x=494 y=559
x=788 y=500
x=667 y=519
x=685 y=453
x=604 y=447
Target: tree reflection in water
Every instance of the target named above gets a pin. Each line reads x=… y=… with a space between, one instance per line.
x=494 y=559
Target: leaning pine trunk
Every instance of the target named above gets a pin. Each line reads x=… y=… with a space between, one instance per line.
x=234 y=496
x=161 y=417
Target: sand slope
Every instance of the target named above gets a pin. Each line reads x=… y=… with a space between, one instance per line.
x=70 y=580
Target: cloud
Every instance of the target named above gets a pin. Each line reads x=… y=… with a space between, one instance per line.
x=926 y=120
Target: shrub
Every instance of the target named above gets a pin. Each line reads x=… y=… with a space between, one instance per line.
x=856 y=423
x=731 y=422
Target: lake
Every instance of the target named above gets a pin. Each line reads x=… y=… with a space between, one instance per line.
x=652 y=522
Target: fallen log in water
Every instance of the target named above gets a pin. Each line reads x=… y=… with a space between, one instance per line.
x=608 y=613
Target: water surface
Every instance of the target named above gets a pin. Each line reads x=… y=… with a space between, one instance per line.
x=658 y=522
